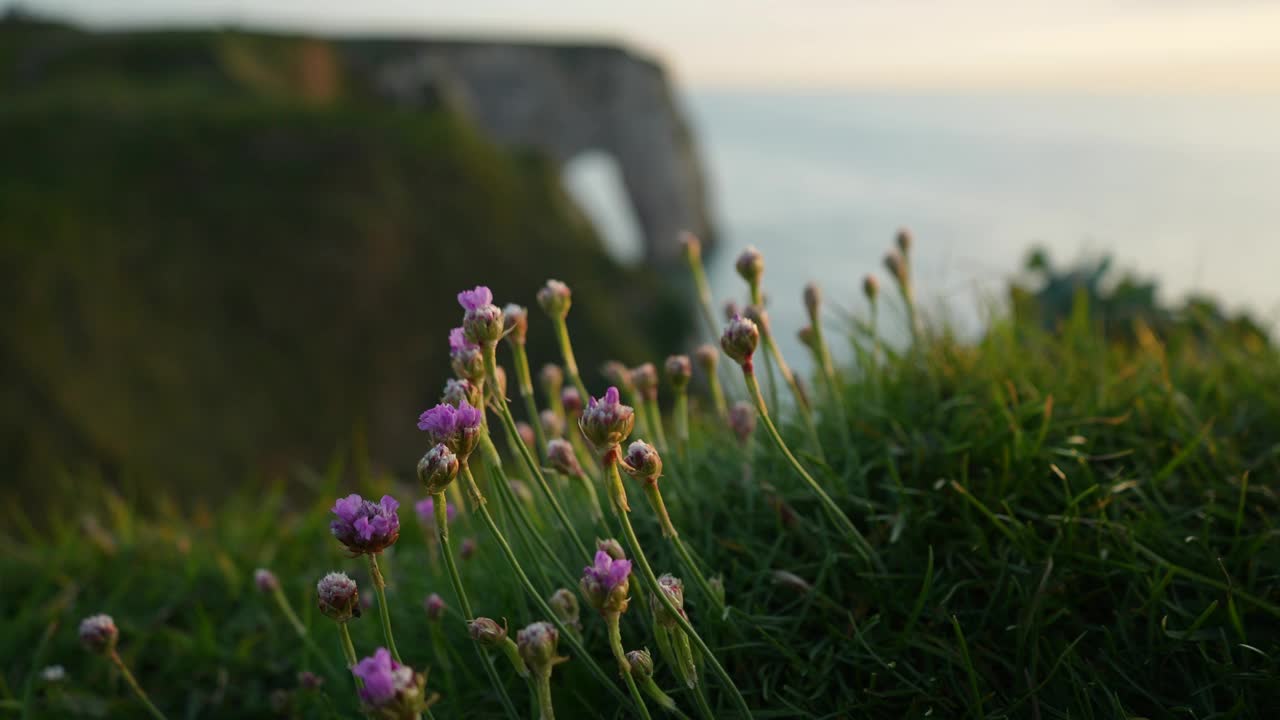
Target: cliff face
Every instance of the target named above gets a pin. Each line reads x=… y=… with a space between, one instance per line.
x=563 y=100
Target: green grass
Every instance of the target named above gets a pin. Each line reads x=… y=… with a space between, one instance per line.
x=1070 y=528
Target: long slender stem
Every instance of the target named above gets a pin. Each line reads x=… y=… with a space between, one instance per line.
x=525 y=383
x=542 y=693
x=834 y=388
x=680 y=415
x=654 y=495
x=348 y=647
x=618 y=496
x=655 y=423
x=384 y=611
x=624 y=665
x=566 y=355
x=533 y=593
x=717 y=394
x=133 y=683
x=855 y=538
x=513 y=437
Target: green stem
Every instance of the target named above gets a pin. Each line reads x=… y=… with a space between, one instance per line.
x=834 y=388
x=384 y=611
x=533 y=593
x=513 y=437
x=654 y=495
x=624 y=665
x=542 y=693
x=283 y=603
x=525 y=383
x=597 y=512
x=681 y=418
x=618 y=497
x=802 y=402
x=566 y=354
x=655 y=423
x=717 y=394
x=512 y=651
x=855 y=538
x=133 y=683
x=348 y=647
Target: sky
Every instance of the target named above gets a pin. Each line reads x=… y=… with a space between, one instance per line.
x=1213 y=46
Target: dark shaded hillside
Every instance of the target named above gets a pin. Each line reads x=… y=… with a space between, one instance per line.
x=217 y=253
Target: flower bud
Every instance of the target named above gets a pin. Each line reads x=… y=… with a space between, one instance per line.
x=708 y=357
x=515 y=320
x=606 y=584
x=896 y=267
x=645 y=378
x=606 y=421
x=437 y=468
x=537 y=645
x=903 y=239
x=337 y=597
x=742 y=420
x=500 y=381
x=571 y=401
x=555 y=299
x=870 y=287
x=717 y=588
x=641 y=663
x=487 y=632
x=642 y=462
x=731 y=310
x=673 y=588
x=265 y=580
x=98 y=634
x=467 y=549
x=527 y=435
x=812 y=299
x=750 y=265
x=483 y=324
x=551 y=378
x=692 y=246
x=468 y=363
x=611 y=547
x=53 y=674
x=562 y=457
x=520 y=491
x=434 y=605
x=806 y=337
x=740 y=339
x=679 y=370
x=308 y=680
x=791 y=580
x=617 y=374
x=565 y=605
x=758 y=315
x=388 y=689
x=552 y=425
x=458 y=391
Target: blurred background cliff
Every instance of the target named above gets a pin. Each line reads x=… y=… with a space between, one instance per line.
x=230 y=235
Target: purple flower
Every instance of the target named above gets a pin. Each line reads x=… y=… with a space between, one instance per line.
x=364 y=526
x=458 y=341
x=434 y=605
x=439 y=422
x=643 y=462
x=606 y=421
x=478 y=297
x=265 y=580
x=98 y=633
x=426 y=510
x=605 y=583
x=740 y=339
x=458 y=428
x=338 y=597
x=742 y=420
x=383 y=678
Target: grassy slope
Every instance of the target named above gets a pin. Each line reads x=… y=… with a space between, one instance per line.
x=1077 y=511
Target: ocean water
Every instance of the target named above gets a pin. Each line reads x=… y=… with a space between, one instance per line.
x=1185 y=190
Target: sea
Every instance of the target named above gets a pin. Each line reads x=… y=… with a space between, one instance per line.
x=1183 y=190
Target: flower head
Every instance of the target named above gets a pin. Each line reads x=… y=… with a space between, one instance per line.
x=364 y=526
x=390 y=687
x=555 y=299
x=98 y=634
x=896 y=266
x=527 y=435
x=742 y=420
x=434 y=605
x=612 y=548
x=812 y=300
x=487 y=632
x=479 y=296
x=265 y=580
x=605 y=583
x=673 y=588
x=618 y=374
x=537 y=645
x=552 y=425
x=870 y=287
x=731 y=310
x=458 y=391
x=465 y=356
x=571 y=401
x=679 y=370
x=758 y=315
x=437 y=468
x=708 y=357
x=606 y=421
x=740 y=339
x=903 y=240
x=562 y=457
x=750 y=265
x=458 y=429
x=337 y=597
x=426 y=510
x=645 y=378
x=642 y=462
x=691 y=245
x=806 y=337
x=565 y=605
x=551 y=378
x=641 y=663
x=515 y=318
x=467 y=549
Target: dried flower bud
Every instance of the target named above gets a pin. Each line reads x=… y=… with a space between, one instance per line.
x=437 y=468
x=265 y=580
x=903 y=239
x=337 y=597
x=742 y=420
x=552 y=425
x=571 y=401
x=679 y=370
x=641 y=663
x=870 y=287
x=98 y=634
x=750 y=265
x=487 y=632
x=740 y=339
x=515 y=320
x=562 y=457
x=612 y=547
x=468 y=548
x=565 y=605
x=551 y=377
x=692 y=246
x=673 y=588
x=642 y=462
x=606 y=583
x=618 y=374
x=812 y=299
x=537 y=644
x=606 y=421
x=434 y=605
x=555 y=299
x=708 y=357
x=458 y=391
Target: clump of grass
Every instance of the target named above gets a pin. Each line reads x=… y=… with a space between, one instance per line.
x=1063 y=525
